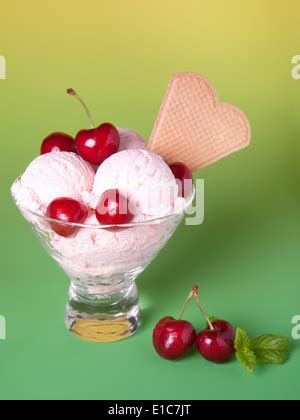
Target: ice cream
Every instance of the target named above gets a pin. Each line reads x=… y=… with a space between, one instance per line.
x=53 y=175
x=130 y=140
x=93 y=252
x=143 y=177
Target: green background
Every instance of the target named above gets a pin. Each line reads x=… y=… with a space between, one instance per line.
x=119 y=55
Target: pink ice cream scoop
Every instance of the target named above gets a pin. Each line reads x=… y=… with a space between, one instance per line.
x=130 y=140
x=50 y=176
x=141 y=176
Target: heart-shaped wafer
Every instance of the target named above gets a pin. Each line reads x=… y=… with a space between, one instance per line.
x=194 y=127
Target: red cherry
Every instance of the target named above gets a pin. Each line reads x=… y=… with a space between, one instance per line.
x=172 y=338
x=66 y=210
x=98 y=144
x=184 y=177
x=225 y=329
x=59 y=142
x=217 y=345
x=113 y=209
x=158 y=329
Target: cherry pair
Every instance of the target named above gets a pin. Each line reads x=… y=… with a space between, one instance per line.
x=94 y=145
x=112 y=209
x=172 y=338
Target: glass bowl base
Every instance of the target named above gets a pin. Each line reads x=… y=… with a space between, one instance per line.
x=102 y=330
x=103 y=319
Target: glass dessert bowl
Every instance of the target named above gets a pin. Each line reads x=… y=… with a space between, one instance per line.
x=103 y=262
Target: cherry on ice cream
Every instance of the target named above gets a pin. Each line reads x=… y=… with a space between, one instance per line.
x=60 y=142
x=113 y=209
x=66 y=210
x=98 y=143
x=184 y=176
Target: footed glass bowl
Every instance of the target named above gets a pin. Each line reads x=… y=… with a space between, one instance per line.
x=103 y=262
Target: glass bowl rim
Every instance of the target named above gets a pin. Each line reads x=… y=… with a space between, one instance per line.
x=180 y=212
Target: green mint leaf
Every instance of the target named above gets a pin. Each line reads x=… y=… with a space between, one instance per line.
x=247 y=359
x=242 y=341
x=244 y=354
x=270 y=349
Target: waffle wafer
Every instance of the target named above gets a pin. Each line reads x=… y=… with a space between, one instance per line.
x=194 y=127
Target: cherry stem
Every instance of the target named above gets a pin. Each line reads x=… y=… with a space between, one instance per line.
x=187 y=301
x=195 y=292
x=72 y=92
